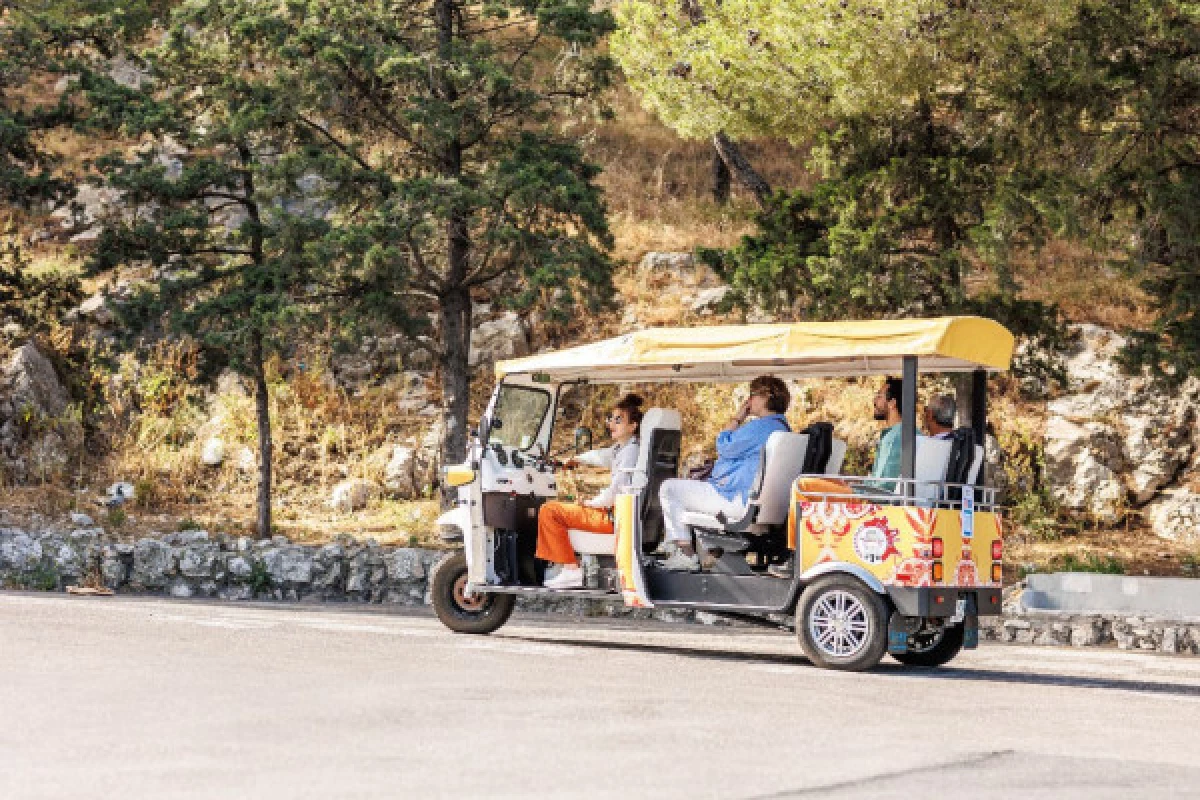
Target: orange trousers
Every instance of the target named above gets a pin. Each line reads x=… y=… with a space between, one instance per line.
x=814 y=489
x=554 y=518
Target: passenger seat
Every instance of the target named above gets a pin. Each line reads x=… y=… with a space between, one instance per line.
x=658 y=460
x=782 y=461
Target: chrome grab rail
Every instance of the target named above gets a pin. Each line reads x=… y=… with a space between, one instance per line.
x=866 y=489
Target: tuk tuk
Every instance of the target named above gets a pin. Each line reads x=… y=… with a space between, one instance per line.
x=905 y=567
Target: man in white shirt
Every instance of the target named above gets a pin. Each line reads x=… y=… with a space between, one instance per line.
x=939 y=416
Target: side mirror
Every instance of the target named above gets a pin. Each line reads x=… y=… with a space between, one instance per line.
x=583 y=439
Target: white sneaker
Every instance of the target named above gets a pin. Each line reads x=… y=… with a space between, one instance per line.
x=568 y=578
x=666 y=548
x=681 y=562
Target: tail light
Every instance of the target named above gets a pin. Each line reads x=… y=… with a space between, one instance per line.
x=938 y=547
x=938 y=572
x=997 y=573
x=997 y=550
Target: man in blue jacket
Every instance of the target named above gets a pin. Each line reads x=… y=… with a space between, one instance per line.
x=739 y=450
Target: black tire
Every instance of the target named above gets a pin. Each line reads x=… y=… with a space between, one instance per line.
x=861 y=641
x=940 y=651
x=483 y=613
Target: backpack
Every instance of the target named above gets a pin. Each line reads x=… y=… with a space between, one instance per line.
x=820 y=447
x=962 y=457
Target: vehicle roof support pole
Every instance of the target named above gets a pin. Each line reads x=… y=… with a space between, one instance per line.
x=979 y=404
x=908 y=423
x=979 y=416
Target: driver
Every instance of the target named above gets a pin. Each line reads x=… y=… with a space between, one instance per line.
x=595 y=515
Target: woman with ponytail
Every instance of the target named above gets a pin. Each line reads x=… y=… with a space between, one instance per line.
x=595 y=515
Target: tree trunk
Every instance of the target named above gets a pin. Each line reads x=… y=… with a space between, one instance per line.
x=262 y=407
x=455 y=299
x=721 y=179
x=741 y=168
x=456 y=374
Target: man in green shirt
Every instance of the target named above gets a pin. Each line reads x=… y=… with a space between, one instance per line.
x=887 y=453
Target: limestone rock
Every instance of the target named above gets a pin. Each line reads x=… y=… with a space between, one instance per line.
x=498 y=339
x=412 y=392
x=239 y=567
x=677 y=269
x=289 y=566
x=89 y=206
x=709 y=300
x=200 y=560
x=405 y=565
x=329 y=567
x=1176 y=516
x=19 y=552
x=96 y=309
x=82 y=520
x=366 y=572
x=1115 y=439
x=127 y=73
x=245 y=460
x=212 y=454
x=230 y=383
x=153 y=564
x=33 y=384
x=399 y=475
x=352 y=495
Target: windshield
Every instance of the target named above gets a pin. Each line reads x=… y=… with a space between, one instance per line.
x=518 y=415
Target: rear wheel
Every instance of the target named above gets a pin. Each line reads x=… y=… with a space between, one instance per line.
x=842 y=624
x=462 y=613
x=939 y=648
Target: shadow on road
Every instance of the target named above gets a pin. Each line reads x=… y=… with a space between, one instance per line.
x=1051 y=679
x=887 y=669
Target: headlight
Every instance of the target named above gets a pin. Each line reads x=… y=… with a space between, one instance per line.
x=458 y=476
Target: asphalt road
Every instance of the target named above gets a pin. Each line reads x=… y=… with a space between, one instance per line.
x=135 y=698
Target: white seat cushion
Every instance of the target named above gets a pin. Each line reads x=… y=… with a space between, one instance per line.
x=597 y=544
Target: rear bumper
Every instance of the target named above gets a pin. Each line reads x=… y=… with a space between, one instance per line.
x=942 y=601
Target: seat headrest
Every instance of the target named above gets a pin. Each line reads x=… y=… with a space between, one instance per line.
x=660 y=419
x=654 y=419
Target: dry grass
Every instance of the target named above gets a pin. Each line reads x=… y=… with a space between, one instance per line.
x=1085 y=286
x=659 y=187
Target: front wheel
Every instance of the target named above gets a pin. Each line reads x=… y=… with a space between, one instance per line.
x=842 y=624
x=939 y=649
x=476 y=613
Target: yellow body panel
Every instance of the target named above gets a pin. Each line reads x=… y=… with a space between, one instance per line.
x=625 y=518
x=895 y=543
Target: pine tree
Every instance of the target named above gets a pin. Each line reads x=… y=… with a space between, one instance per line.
x=215 y=199
x=453 y=179
x=1112 y=139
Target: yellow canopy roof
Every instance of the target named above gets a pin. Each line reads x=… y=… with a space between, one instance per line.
x=721 y=353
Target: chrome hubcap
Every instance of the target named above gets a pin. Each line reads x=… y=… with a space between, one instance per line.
x=838 y=624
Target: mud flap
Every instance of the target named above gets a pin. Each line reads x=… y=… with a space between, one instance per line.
x=970 y=632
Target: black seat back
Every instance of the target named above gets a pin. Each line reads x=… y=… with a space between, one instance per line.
x=962 y=457
x=663 y=464
x=820 y=447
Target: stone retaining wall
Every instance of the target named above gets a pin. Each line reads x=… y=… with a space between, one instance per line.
x=197 y=564
x=1060 y=629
